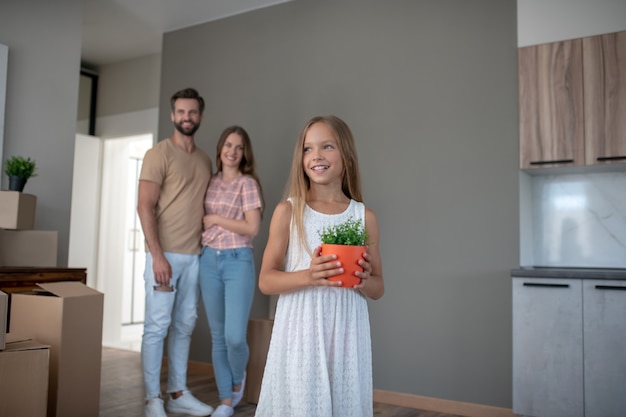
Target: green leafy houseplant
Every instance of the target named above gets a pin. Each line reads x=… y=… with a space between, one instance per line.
x=18 y=166
x=347 y=240
x=19 y=170
x=351 y=232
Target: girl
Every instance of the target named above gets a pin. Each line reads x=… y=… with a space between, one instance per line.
x=233 y=206
x=319 y=360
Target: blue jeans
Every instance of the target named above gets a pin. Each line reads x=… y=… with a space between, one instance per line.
x=175 y=311
x=227 y=282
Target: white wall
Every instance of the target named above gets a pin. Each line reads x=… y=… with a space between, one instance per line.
x=543 y=21
x=85 y=206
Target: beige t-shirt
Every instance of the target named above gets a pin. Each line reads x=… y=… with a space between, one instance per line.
x=184 y=178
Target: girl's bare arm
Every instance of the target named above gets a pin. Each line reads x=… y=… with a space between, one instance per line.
x=372 y=284
x=272 y=277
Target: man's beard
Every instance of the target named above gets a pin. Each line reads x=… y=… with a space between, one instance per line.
x=189 y=131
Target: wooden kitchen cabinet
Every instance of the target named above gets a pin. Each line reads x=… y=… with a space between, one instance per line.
x=572 y=97
x=547 y=347
x=551 y=105
x=604 y=331
x=604 y=67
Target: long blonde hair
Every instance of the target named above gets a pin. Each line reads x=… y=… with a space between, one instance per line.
x=299 y=183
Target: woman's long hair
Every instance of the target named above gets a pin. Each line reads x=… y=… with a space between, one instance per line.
x=246 y=165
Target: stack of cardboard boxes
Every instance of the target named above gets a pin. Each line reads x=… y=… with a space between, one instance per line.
x=24 y=381
x=51 y=363
x=24 y=366
x=68 y=317
x=20 y=245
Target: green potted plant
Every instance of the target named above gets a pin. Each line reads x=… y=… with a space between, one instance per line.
x=348 y=241
x=19 y=170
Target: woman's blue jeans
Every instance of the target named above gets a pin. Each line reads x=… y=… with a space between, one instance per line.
x=175 y=311
x=227 y=282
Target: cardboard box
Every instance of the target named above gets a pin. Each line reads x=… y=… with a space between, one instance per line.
x=17 y=210
x=259 y=335
x=4 y=310
x=68 y=317
x=24 y=378
x=28 y=248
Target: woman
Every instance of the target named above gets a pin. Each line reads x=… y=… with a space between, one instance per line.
x=233 y=207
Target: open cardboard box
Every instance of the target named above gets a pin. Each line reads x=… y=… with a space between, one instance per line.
x=68 y=317
x=24 y=377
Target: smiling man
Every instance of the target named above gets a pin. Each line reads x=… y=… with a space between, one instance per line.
x=174 y=177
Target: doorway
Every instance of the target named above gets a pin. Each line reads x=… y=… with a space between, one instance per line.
x=121 y=259
x=105 y=234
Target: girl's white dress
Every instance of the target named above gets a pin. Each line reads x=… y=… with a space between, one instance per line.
x=320 y=361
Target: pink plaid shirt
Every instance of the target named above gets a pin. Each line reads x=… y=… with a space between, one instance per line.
x=229 y=199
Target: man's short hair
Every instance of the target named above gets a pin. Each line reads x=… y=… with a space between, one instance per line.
x=188 y=93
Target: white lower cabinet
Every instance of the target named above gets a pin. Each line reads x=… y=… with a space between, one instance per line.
x=547 y=347
x=604 y=304
x=569 y=347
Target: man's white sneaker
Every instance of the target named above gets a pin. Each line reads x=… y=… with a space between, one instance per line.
x=238 y=395
x=188 y=404
x=223 y=411
x=154 y=408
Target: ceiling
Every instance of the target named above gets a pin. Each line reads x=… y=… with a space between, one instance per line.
x=119 y=30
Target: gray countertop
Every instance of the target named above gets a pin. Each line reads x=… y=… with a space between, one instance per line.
x=582 y=273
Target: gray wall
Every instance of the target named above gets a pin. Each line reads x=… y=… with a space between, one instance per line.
x=129 y=86
x=430 y=91
x=44 y=40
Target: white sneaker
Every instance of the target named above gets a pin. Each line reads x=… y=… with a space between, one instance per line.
x=154 y=408
x=223 y=411
x=237 y=396
x=188 y=404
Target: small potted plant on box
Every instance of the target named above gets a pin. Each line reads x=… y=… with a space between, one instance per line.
x=19 y=170
x=346 y=240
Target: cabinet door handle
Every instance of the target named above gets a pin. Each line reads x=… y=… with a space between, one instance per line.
x=610 y=287
x=611 y=158
x=558 y=161
x=539 y=284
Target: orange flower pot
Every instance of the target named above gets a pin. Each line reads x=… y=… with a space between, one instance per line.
x=349 y=257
